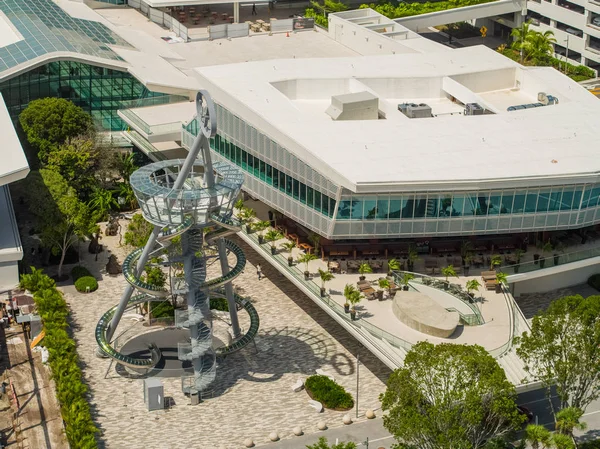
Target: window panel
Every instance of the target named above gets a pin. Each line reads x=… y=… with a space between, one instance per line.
x=382 y=207
x=470 y=201
x=543 y=201
x=494 y=204
x=357 y=209
x=554 y=201
x=370 y=208
x=420 y=205
x=507 y=202
x=519 y=203
x=445 y=205
x=458 y=202
x=566 y=203
x=344 y=209
x=395 y=207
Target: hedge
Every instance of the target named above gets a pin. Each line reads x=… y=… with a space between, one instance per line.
x=396 y=10
x=79 y=272
x=594 y=281
x=83 y=283
x=63 y=360
x=328 y=393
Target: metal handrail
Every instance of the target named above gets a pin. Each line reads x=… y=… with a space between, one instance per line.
x=420 y=279
x=563 y=258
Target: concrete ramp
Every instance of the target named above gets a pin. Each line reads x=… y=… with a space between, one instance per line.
x=424 y=21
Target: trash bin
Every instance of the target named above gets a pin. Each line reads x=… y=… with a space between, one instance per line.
x=194 y=398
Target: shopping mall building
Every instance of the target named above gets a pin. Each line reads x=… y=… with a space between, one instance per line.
x=368 y=133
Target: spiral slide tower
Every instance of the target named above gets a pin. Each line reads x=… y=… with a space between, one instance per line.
x=191 y=199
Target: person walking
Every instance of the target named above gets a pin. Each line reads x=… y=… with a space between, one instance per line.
x=259 y=271
x=254 y=13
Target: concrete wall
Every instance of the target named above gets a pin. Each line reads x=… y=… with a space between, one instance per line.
x=555 y=277
x=364 y=40
x=424 y=21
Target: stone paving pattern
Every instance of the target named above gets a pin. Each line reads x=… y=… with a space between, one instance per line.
x=531 y=303
x=253 y=390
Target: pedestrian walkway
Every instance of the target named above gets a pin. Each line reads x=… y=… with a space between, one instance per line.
x=373 y=430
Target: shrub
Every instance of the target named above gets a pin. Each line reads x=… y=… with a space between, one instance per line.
x=163 y=310
x=138 y=231
x=155 y=276
x=219 y=304
x=84 y=282
x=64 y=361
x=328 y=393
x=79 y=272
x=594 y=281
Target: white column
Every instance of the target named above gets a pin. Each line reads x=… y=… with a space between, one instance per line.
x=236 y=12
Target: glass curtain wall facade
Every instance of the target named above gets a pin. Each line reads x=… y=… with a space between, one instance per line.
x=273 y=175
x=99 y=91
x=508 y=210
x=277 y=178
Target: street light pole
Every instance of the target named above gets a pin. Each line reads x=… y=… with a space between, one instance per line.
x=567 y=57
x=357 y=377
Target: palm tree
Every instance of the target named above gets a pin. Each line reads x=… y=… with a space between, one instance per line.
x=354 y=298
x=288 y=247
x=539 y=45
x=521 y=36
x=384 y=283
x=126 y=165
x=449 y=271
x=538 y=436
x=306 y=259
x=472 y=286
x=568 y=419
x=325 y=276
x=261 y=226
x=393 y=265
x=126 y=192
x=363 y=269
x=349 y=290
x=102 y=201
x=271 y=236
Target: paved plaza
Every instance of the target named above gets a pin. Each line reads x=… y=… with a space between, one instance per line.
x=253 y=390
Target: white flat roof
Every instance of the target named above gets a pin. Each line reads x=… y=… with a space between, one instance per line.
x=287 y=100
x=14 y=164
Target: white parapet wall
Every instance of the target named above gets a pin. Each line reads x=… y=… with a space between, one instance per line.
x=553 y=278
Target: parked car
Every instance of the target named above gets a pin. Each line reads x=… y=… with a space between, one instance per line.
x=596 y=21
x=574 y=32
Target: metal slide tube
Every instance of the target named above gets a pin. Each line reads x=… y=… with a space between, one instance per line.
x=235 y=324
x=129 y=290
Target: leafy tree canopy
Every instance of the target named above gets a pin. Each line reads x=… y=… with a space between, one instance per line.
x=50 y=122
x=76 y=161
x=138 y=231
x=563 y=349
x=60 y=216
x=449 y=396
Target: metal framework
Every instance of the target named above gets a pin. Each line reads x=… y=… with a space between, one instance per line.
x=190 y=203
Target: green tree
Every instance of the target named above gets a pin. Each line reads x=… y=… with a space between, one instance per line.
x=534 y=44
x=538 y=436
x=61 y=217
x=76 y=160
x=449 y=271
x=323 y=444
x=138 y=231
x=102 y=202
x=155 y=276
x=50 y=122
x=563 y=349
x=125 y=165
x=569 y=419
x=125 y=191
x=449 y=396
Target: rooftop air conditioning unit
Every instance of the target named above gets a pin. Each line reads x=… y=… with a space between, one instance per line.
x=418 y=111
x=473 y=109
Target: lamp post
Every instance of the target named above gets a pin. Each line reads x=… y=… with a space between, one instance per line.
x=357 y=377
x=567 y=56
x=523 y=17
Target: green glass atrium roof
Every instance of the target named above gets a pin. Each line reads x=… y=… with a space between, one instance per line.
x=46 y=28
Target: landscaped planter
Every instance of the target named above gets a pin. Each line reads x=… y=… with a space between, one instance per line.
x=273 y=250
x=323 y=292
x=353 y=315
x=290 y=261
x=306 y=276
x=347 y=308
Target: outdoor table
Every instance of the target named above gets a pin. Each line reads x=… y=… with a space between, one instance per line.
x=306 y=247
x=224 y=16
x=293 y=237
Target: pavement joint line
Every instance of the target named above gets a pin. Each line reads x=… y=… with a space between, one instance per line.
x=591 y=413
